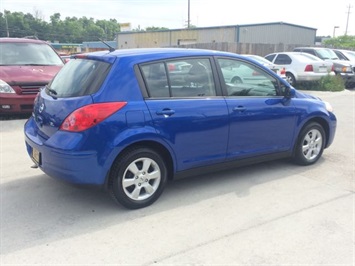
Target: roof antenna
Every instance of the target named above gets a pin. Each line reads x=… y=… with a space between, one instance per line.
x=110 y=48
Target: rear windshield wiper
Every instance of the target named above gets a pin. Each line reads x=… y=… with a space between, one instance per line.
x=51 y=92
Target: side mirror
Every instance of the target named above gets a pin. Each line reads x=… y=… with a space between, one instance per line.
x=289 y=92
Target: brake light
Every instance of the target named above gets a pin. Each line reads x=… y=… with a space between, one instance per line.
x=90 y=115
x=309 y=68
x=333 y=67
x=256 y=73
x=171 y=67
x=80 y=56
x=283 y=71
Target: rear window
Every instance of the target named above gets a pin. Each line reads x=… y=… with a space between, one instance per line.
x=28 y=54
x=306 y=56
x=79 y=77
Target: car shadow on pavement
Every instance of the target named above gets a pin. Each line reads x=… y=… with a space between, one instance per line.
x=38 y=210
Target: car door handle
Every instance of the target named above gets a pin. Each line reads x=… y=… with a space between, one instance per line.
x=166 y=112
x=239 y=109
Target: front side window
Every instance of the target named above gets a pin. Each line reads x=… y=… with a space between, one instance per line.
x=28 y=54
x=244 y=79
x=190 y=77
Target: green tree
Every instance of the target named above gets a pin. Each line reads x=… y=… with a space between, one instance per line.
x=69 y=30
x=110 y=27
x=345 y=41
x=155 y=28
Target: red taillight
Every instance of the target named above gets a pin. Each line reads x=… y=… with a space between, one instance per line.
x=80 y=56
x=333 y=67
x=283 y=71
x=90 y=115
x=256 y=73
x=171 y=67
x=309 y=68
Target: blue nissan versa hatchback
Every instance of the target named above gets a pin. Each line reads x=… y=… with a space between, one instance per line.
x=129 y=120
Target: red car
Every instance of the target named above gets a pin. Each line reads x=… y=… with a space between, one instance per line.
x=26 y=65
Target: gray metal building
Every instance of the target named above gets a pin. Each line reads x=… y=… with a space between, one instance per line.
x=264 y=33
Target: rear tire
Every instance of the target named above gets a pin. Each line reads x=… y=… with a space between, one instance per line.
x=237 y=80
x=137 y=178
x=310 y=144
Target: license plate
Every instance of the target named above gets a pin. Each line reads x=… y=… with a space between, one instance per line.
x=322 y=69
x=36 y=156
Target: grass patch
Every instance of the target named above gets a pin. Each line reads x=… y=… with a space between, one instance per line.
x=326 y=83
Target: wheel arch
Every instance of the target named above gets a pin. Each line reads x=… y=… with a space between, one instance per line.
x=322 y=122
x=294 y=74
x=236 y=78
x=151 y=144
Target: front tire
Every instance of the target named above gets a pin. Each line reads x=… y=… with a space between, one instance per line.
x=310 y=144
x=138 y=178
x=290 y=78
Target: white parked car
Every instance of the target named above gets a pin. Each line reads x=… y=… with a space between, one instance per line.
x=301 y=66
x=281 y=71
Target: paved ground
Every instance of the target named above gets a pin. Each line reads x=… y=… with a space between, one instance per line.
x=270 y=214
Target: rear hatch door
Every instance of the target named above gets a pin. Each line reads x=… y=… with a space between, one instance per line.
x=70 y=89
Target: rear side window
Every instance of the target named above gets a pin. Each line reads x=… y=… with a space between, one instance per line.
x=179 y=78
x=283 y=59
x=79 y=77
x=270 y=57
x=156 y=80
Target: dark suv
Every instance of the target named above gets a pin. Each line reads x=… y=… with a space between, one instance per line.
x=129 y=120
x=344 y=69
x=26 y=65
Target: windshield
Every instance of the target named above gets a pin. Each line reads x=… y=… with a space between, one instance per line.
x=28 y=54
x=326 y=54
x=259 y=59
x=79 y=77
x=350 y=55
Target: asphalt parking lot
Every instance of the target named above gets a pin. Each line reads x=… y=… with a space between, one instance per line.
x=273 y=213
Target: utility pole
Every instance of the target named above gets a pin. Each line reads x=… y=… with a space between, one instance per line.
x=347 y=21
x=188 y=14
x=7 y=26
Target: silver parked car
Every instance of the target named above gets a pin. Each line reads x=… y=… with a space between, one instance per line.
x=281 y=71
x=301 y=66
x=346 y=55
x=341 y=67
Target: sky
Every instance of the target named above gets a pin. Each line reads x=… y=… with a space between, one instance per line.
x=173 y=14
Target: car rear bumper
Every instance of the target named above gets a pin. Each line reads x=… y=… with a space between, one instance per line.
x=78 y=167
x=11 y=103
x=349 y=79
